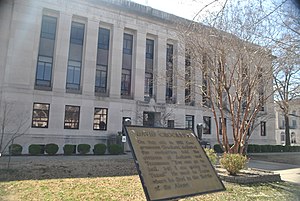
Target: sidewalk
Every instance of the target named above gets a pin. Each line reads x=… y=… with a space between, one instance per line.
x=288 y=172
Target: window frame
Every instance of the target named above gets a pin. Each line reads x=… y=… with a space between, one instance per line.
x=76 y=128
x=208 y=124
x=106 y=119
x=263 y=126
x=187 y=122
x=48 y=115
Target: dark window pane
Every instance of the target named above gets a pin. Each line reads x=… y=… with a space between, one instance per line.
x=46 y=51
x=103 y=38
x=206 y=125
x=127 y=44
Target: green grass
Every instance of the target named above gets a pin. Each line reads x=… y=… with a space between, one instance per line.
x=129 y=188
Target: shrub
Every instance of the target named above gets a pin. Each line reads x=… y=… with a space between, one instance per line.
x=51 y=148
x=36 y=149
x=69 y=149
x=212 y=156
x=233 y=163
x=83 y=148
x=99 y=149
x=218 y=148
x=115 y=149
x=15 y=149
x=253 y=148
x=277 y=148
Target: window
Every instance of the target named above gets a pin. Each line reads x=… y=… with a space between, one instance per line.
x=126 y=65
x=171 y=124
x=102 y=60
x=206 y=125
x=263 y=128
x=148 y=92
x=188 y=80
x=220 y=125
x=40 y=115
x=100 y=119
x=127 y=44
x=75 y=56
x=293 y=138
x=169 y=74
x=189 y=122
x=282 y=137
x=46 y=51
x=72 y=114
x=205 y=82
x=125 y=82
x=294 y=124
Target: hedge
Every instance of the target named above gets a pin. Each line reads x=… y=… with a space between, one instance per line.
x=99 y=149
x=15 y=149
x=51 y=149
x=69 y=149
x=115 y=149
x=36 y=149
x=83 y=148
x=255 y=148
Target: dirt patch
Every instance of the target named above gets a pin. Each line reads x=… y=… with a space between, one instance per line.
x=33 y=168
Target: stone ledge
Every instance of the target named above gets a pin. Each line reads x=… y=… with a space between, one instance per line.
x=249 y=176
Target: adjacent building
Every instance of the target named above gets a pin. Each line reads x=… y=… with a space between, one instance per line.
x=294 y=121
x=71 y=72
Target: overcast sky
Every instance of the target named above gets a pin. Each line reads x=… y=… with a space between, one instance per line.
x=183 y=8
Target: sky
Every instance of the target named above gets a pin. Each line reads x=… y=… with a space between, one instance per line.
x=183 y=8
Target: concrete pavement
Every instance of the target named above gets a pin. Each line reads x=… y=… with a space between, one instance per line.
x=288 y=172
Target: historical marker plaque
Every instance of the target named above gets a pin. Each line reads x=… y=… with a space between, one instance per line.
x=171 y=163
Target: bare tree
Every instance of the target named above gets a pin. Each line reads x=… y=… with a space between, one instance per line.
x=13 y=124
x=287 y=62
x=236 y=73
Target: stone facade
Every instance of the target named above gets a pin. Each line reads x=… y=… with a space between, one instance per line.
x=21 y=24
x=294 y=121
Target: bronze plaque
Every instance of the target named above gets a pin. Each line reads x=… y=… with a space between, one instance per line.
x=171 y=163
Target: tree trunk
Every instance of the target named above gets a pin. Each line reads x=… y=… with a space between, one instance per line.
x=287 y=130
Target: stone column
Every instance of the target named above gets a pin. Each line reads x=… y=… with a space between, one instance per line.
x=179 y=72
x=62 y=53
x=115 y=68
x=138 y=80
x=89 y=62
x=160 y=73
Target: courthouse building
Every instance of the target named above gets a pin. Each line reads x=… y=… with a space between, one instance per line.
x=73 y=71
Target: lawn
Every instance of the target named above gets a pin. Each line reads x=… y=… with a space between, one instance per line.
x=129 y=188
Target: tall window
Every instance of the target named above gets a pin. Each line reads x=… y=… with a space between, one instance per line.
x=263 y=128
x=169 y=74
x=102 y=60
x=189 y=122
x=205 y=91
x=46 y=51
x=100 y=119
x=206 y=125
x=149 y=69
x=40 y=115
x=126 y=65
x=220 y=125
x=188 y=80
x=75 y=56
x=72 y=114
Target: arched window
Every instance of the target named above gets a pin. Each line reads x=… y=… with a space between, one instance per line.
x=293 y=138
